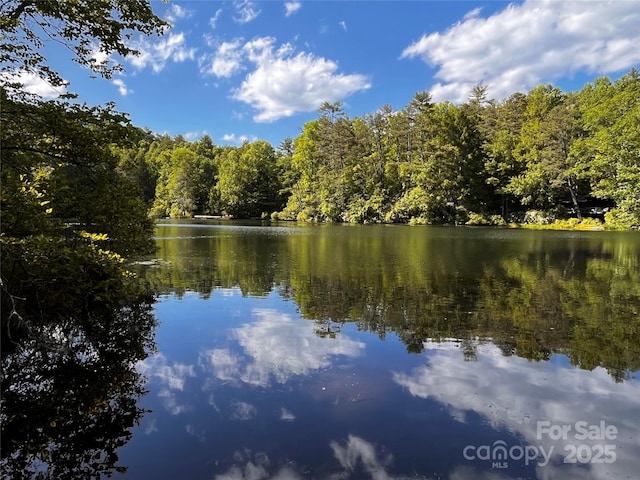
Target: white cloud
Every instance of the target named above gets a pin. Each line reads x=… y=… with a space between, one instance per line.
x=151 y=426
x=256 y=467
x=122 y=87
x=277 y=348
x=291 y=8
x=531 y=43
x=238 y=139
x=210 y=41
x=226 y=61
x=32 y=83
x=193 y=136
x=156 y=55
x=343 y=24
x=99 y=57
x=511 y=394
x=356 y=454
x=176 y=12
x=213 y=21
x=355 y=458
x=226 y=365
x=473 y=13
x=246 y=11
x=170 y=401
x=283 y=84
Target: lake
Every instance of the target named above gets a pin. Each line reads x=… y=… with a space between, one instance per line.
x=385 y=352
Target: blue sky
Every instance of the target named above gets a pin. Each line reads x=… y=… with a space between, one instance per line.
x=249 y=70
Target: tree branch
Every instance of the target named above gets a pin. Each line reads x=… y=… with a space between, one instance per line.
x=21 y=8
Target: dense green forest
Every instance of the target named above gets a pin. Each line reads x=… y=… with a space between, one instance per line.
x=537 y=157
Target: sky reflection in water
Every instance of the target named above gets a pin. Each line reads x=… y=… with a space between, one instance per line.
x=244 y=388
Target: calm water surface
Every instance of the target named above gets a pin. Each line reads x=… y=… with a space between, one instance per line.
x=388 y=352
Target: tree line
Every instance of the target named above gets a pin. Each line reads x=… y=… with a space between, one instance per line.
x=533 y=157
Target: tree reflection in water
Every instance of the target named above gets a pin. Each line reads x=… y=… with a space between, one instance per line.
x=70 y=392
x=533 y=294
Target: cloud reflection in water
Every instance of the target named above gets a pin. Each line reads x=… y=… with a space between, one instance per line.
x=244 y=411
x=356 y=458
x=277 y=348
x=172 y=379
x=513 y=394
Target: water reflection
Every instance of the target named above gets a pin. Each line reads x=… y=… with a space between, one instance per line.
x=352 y=407
x=532 y=293
x=275 y=368
x=276 y=348
x=356 y=458
x=70 y=393
x=171 y=379
x=513 y=395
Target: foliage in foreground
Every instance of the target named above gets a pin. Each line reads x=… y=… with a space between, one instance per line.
x=74 y=321
x=63 y=203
